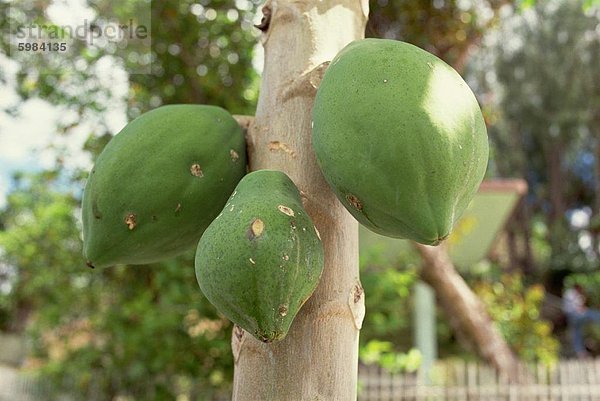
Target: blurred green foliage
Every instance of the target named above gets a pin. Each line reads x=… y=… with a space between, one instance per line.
x=388 y=286
x=145 y=331
x=541 y=89
x=516 y=307
x=386 y=332
x=39 y=231
x=450 y=29
x=200 y=60
x=382 y=353
x=386 y=337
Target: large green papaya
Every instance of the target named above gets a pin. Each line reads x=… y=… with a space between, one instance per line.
x=400 y=138
x=159 y=183
x=262 y=257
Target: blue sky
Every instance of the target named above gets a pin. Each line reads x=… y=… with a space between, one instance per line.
x=19 y=136
x=24 y=138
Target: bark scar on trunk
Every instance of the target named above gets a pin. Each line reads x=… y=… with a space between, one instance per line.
x=356 y=302
x=284 y=147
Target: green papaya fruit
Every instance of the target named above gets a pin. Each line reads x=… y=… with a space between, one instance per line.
x=159 y=183
x=262 y=257
x=400 y=138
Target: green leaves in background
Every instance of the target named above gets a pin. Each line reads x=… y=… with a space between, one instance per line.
x=137 y=331
x=516 y=309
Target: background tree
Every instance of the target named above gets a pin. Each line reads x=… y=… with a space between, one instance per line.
x=450 y=29
x=545 y=93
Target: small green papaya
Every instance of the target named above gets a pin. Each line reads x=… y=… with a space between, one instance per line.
x=400 y=138
x=159 y=183
x=262 y=257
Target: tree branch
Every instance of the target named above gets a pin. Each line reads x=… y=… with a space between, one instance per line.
x=466 y=312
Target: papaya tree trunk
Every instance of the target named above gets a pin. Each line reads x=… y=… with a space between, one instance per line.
x=596 y=209
x=596 y=205
x=318 y=360
x=466 y=313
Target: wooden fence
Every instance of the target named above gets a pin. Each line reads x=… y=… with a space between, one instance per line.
x=462 y=381
x=15 y=386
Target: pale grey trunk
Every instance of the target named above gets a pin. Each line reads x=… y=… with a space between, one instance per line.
x=318 y=359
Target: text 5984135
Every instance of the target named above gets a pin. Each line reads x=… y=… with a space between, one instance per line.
x=42 y=47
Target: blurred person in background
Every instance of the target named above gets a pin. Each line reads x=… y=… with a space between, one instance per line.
x=578 y=315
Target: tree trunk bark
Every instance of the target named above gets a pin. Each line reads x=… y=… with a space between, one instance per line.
x=556 y=181
x=522 y=219
x=318 y=360
x=466 y=312
x=596 y=208
x=524 y=222
x=519 y=240
x=513 y=249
